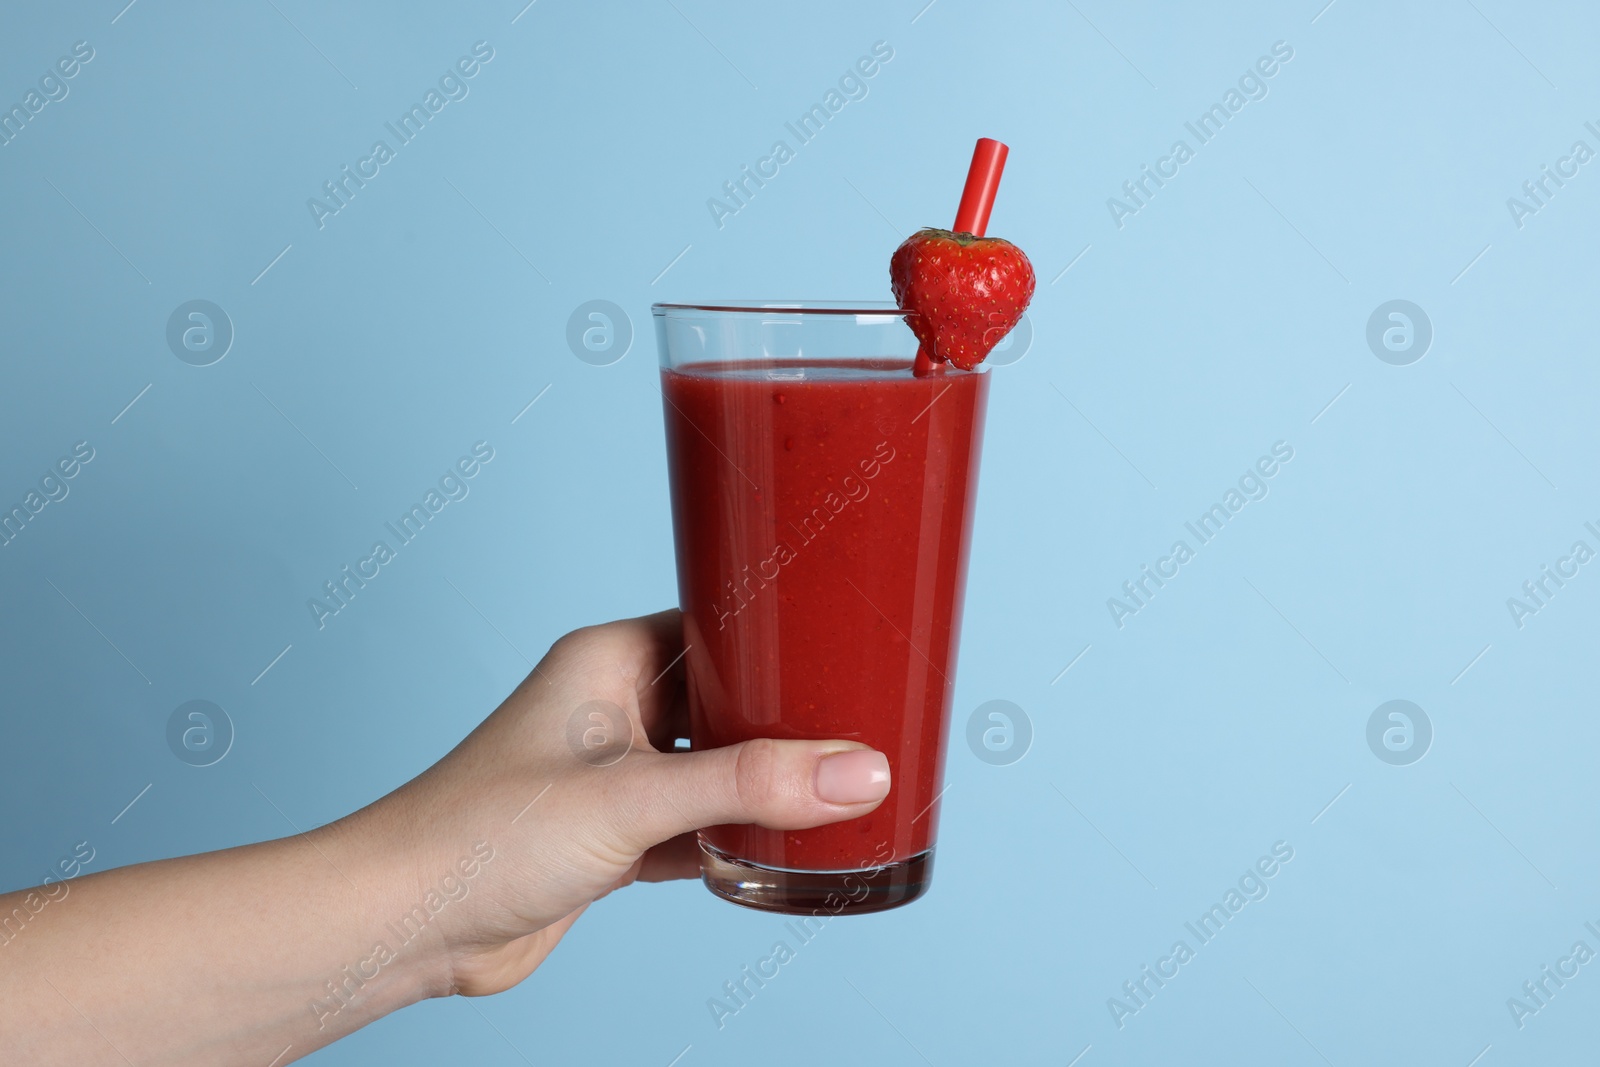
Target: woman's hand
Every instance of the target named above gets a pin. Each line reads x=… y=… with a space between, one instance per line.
x=573 y=788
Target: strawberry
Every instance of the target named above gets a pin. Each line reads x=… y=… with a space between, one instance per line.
x=966 y=292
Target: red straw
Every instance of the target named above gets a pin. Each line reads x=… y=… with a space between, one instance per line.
x=983 y=181
x=977 y=199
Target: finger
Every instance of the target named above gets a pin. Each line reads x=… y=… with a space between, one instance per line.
x=672 y=860
x=669 y=861
x=668 y=724
x=663 y=706
x=649 y=650
x=781 y=785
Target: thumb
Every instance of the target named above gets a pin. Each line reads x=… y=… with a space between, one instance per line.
x=781 y=785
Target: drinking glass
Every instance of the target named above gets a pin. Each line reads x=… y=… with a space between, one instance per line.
x=822 y=498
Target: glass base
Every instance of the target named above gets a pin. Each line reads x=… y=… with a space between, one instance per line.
x=787 y=892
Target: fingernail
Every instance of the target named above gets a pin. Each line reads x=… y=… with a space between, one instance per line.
x=856 y=777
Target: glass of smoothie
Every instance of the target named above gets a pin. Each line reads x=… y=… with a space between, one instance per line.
x=822 y=497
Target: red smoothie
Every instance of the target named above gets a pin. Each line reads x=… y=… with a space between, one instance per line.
x=821 y=512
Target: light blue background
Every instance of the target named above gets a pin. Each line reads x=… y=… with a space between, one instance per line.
x=1223 y=317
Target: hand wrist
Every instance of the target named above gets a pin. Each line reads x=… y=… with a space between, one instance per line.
x=403 y=956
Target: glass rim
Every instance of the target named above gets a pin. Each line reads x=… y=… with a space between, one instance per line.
x=790 y=307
